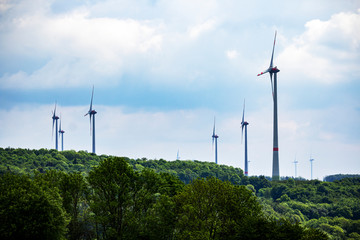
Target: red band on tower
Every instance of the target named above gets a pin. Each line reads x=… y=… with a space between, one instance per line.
x=276 y=149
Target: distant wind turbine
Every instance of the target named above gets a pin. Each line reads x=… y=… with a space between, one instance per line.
x=55 y=122
x=295 y=163
x=244 y=125
x=61 y=134
x=91 y=114
x=311 y=167
x=214 y=138
x=274 y=70
x=177 y=155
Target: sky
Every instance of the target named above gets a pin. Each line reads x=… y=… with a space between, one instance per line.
x=162 y=70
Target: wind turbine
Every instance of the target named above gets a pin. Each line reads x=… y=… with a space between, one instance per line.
x=61 y=134
x=295 y=163
x=274 y=70
x=91 y=114
x=214 y=138
x=177 y=155
x=244 y=125
x=311 y=166
x=55 y=122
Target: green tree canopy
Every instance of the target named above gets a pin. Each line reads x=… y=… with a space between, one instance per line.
x=29 y=210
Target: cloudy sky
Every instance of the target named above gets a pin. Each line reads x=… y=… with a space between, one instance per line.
x=163 y=69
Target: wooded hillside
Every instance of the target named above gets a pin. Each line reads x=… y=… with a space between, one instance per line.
x=161 y=199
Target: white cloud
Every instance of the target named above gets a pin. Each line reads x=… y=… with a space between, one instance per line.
x=85 y=45
x=58 y=72
x=195 y=31
x=5 y=5
x=78 y=46
x=100 y=42
x=327 y=52
x=232 y=54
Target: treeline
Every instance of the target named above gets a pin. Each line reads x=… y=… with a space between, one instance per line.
x=116 y=202
x=187 y=171
x=332 y=178
x=331 y=207
x=26 y=161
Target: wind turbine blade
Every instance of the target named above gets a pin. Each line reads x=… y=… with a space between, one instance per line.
x=60 y=125
x=213 y=136
x=272 y=87
x=92 y=95
x=52 y=131
x=272 y=55
x=242 y=122
x=90 y=123
x=243 y=112
x=242 y=132
x=53 y=117
x=267 y=70
x=214 y=130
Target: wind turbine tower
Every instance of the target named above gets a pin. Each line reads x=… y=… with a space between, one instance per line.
x=177 y=155
x=91 y=114
x=273 y=71
x=55 y=122
x=244 y=125
x=311 y=166
x=295 y=163
x=61 y=134
x=214 y=138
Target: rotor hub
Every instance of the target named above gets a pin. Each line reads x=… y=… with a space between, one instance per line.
x=274 y=70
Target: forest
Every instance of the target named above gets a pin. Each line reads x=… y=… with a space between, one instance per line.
x=47 y=194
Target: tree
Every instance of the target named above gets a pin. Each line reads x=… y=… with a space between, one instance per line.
x=112 y=183
x=259 y=182
x=212 y=209
x=131 y=205
x=278 y=190
x=73 y=190
x=161 y=219
x=29 y=211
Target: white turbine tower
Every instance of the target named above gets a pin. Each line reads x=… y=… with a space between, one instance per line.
x=311 y=167
x=274 y=70
x=244 y=125
x=55 y=122
x=91 y=114
x=61 y=134
x=178 y=155
x=295 y=163
x=214 y=139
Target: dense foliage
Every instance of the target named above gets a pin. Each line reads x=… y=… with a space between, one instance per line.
x=332 y=178
x=85 y=196
x=28 y=208
x=26 y=161
x=331 y=207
